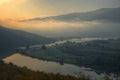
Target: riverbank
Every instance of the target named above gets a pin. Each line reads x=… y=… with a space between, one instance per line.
x=96 y=54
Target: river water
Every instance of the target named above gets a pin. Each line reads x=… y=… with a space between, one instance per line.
x=52 y=67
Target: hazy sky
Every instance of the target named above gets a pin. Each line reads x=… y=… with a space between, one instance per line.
x=32 y=8
x=13 y=10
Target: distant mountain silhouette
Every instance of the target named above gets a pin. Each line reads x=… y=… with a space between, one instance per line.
x=12 y=39
x=105 y=14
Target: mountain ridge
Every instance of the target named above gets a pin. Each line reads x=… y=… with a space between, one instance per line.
x=105 y=14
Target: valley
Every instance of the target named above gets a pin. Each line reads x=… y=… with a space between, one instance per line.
x=98 y=54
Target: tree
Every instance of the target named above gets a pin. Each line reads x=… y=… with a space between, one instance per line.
x=43 y=47
x=27 y=47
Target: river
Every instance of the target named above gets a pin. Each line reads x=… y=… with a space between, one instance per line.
x=52 y=67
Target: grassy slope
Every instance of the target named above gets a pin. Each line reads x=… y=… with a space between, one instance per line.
x=12 y=72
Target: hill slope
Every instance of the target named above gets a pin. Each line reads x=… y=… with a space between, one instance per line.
x=12 y=39
x=12 y=72
x=106 y=14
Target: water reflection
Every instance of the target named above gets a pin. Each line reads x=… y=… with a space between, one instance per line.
x=46 y=66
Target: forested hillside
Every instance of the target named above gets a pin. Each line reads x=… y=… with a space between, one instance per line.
x=10 y=40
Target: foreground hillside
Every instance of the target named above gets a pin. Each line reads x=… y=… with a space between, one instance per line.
x=12 y=72
x=12 y=39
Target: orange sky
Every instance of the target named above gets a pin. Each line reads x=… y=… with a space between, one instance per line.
x=11 y=12
x=10 y=9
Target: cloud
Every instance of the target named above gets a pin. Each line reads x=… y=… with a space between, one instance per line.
x=104 y=14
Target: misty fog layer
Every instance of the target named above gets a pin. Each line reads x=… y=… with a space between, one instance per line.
x=71 y=29
x=82 y=29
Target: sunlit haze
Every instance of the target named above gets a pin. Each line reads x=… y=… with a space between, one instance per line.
x=13 y=11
